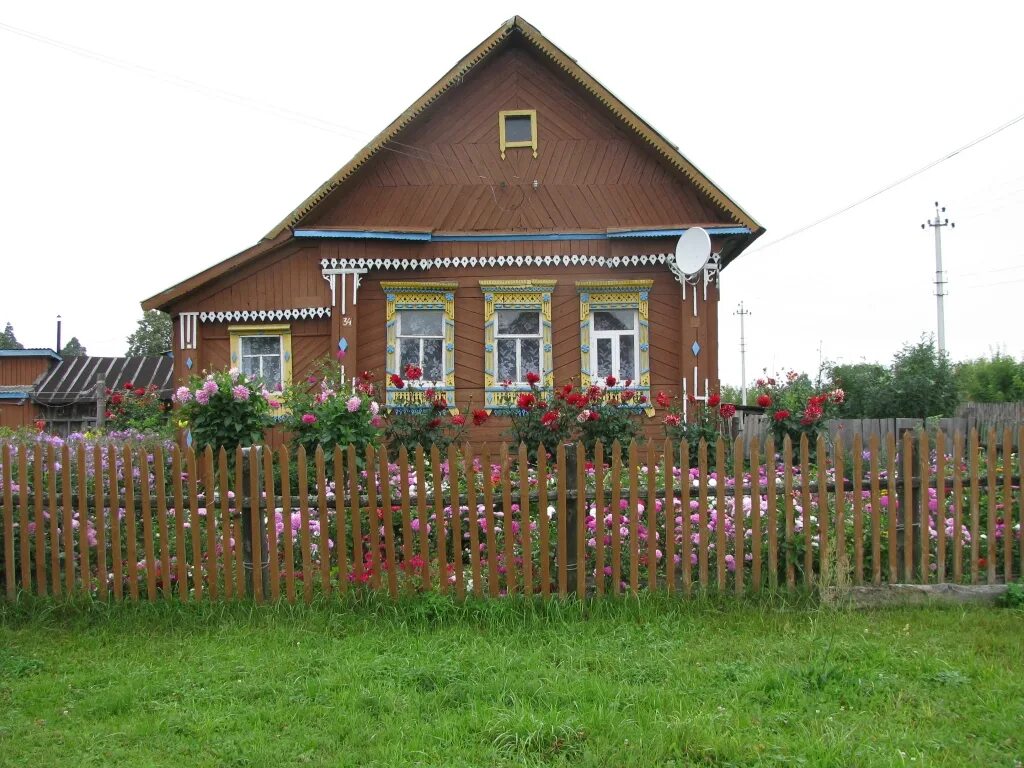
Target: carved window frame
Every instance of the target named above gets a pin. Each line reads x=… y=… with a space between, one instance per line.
x=504 y=143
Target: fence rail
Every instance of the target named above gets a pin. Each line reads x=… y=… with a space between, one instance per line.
x=152 y=523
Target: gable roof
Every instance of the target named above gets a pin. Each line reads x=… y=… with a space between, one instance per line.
x=516 y=27
x=519 y=26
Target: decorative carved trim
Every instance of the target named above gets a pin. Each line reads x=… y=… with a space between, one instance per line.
x=187 y=335
x=611 y=262
x=264 y=315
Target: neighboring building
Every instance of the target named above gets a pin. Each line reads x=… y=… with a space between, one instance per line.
x=67 y=397
x=20 y=369
x=517 y=217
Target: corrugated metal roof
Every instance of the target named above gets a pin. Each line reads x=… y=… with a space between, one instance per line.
x=74 y=379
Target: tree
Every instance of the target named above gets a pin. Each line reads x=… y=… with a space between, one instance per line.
x=73 y=348
x=865 y=386
x=7 y=339
x=923 y=382
x=999 y=380
x=152 y=336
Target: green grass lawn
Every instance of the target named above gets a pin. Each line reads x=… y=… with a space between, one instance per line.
x=649 y=683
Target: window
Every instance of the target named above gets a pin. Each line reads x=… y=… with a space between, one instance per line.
x=517 y=128
x=517 y=338
x=420 y=332
x=614 y=334
x=263 y=352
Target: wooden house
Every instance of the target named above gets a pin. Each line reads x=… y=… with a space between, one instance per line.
x=518 y=216
x=20 y=369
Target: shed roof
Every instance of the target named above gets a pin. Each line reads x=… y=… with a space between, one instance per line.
x=34 y=352
x=74 y=379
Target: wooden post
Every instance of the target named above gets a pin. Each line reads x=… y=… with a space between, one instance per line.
x=909 y=496
x=571 y=552
x=101 y=401
x=246 y=501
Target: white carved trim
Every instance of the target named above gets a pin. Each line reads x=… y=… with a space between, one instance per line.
x=361 y=265
x=187 y=330
x=263 y=315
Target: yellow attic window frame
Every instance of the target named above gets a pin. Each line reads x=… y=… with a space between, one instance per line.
x=517 y=113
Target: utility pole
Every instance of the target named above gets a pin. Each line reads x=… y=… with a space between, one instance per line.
x=940 y=277
x=743 y=354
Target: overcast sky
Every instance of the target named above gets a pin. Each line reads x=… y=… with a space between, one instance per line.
x=142 y=143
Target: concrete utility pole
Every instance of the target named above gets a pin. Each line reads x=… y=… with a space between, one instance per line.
x=940 y=277
x=743 y=354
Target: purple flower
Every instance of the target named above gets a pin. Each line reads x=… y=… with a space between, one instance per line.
x=182 y=395
x=353 y=404
x=240 y=392
x=202 y=396
x=308 y=418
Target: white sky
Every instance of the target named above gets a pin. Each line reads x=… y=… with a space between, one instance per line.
x=117 y=182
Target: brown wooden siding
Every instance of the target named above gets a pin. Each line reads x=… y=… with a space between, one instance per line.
x=23 y=370
x=14 y=415
x=446 y=173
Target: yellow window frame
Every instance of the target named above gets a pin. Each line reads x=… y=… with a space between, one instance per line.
x=504 y=143
x=284 y=331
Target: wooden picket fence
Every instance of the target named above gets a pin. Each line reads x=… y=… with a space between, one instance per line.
x=132 y=523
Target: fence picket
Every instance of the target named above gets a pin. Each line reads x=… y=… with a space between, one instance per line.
x=805 y=502
x=288 y=543
x=702 y=507
x=439 y=520
x=54 y=509
x=421 y=515
x=652 y=518
x=508 y=538
x=226 y=529
x=236 y=527
x=907 y=506
x=273 y=557
x=131 y=534
x=581 y=522
x=255 y=534
x=161 y=518
x=1007 y=507
x=721 y=571
x=857 y=476
x=213 y=570
x=304 y=543
x=195 y=530
x=146 y=494
x=83 y=518
x=388 y=519
x=8 y=499
x=686 y=554
x=407 y=540
x=958 y=498
x=787 y=485
x=616 y=517
x=891 y=506
x=975 y=500
x=39 y=533
x=755 y=514
x=1020 y=510
x=456 y=524
x=738 y=517
x=842 y=559
x=824 y=518
x=323 y=550
x=773 y=513
x=489 y=535
x=993 y=511
x=339 y=515
x=876 y=514
x=358 y=559
x=526 y=535
x=543 y=523
x=563 y=571
x=669 y=508
x=23 y=538
x=178 y=498
x=924 y=472
x=473 y=521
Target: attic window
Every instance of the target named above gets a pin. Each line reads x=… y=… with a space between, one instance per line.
x=517 y=128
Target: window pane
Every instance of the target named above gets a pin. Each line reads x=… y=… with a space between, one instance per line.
x=507 y=360
x=410 y=354
x=529 y=357
x=518 y=128
x=421 y=322
x=272 y=372
x=250 y=366
x=604 y=357
x=613 y=320
x=627 y=345
x=432 y=362
x=511 y=321
x=260 y=345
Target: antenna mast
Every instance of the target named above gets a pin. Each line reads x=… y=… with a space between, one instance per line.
x=743 y=354
x=940 y=277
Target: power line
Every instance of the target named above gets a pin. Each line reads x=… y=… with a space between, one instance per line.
x=893 y=185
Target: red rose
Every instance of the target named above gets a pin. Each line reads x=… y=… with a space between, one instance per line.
x=550 y=419
x=480 y=416
x=764 y=401
x=413 y=372
x=781 y=415
x=40 y=425
x=458 y=420
x=396 y=381
x=627 y=395
x=366 y=376
x=129 y=385
x=526 y=401
x=140 y=392
x=663 y=400
x=672 y=419
x=714 y=400
x=108 y=415
x=532 y=378
x=610 y=380
x=593 y=416
x=434 y=424
x=728 y=410
x=116 y=398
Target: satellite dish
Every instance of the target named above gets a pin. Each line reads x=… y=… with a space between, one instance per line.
x=693 y=251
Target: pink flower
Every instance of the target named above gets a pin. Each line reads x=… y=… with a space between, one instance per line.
x=240 y=392
x=353 y=404
x=376 y=422
x=182 y=395
x=672 y=419
x=308 y=418
x=202 y=396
